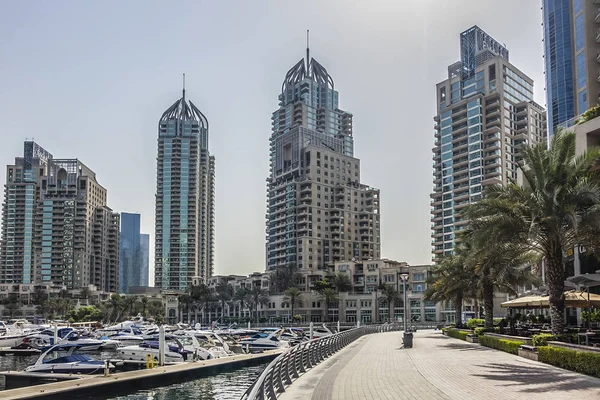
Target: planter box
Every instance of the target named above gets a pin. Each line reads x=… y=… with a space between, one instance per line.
x=526 y=340
x=528 y=352
x=575 y=347
x=472 y=339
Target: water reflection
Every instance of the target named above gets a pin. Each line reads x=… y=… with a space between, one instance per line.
x=224 y=386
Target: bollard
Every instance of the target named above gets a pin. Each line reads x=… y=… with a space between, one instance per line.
x=161 y=346
x=106 y=369
x=55 y=339
x=311 y=331
x=338 y=326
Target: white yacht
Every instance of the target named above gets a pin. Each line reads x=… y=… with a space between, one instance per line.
x=68 y=363
x=263 y=341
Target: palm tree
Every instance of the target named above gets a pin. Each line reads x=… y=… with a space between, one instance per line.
x=556 y=209
x=499 y=266
x=341 y=282
x=40 y=296
x=329 y=296
x=284 y=277
x=452 y=280
x=144 y=304
x=85 y=293
x=184 y=301
x=224 y=293
x=256 y=297
x=240 y=298
x=389 y=295
x=293 y=297
x=129 y=304
x=114 y=304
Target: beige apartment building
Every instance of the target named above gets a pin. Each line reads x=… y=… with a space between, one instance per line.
x=318 y=211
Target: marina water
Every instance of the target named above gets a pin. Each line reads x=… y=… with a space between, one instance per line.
x=226 y=385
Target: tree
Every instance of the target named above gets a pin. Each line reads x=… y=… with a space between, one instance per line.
x=128 y=306
x=114 y=304
x=240 y=298
x=329 y=296
x=284 y=277
x=342 y=283
x=11 y=304
x=452 y=280
x=224 y=293
x=40 y=296
x=256 y=297
x=85 y=293
x=389 y=295
x=556 y=209
x=293 y=297
x=144 y=305
x=203 y=296
x=184 y=302
x=500 y=266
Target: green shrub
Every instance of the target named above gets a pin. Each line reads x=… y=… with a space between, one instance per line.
x=509 y=346
x=497 y=321
x=458 y=334
x=577 y=361
x=542 y=339
x=444 y=330
x=479 y=331
x=473 y=322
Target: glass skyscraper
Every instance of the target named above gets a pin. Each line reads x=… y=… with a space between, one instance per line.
x=318 y=212
x=184 y=228
x=485 y=111
x=571 y=45
x=133 y=254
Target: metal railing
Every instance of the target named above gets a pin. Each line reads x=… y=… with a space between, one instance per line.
x=288 y=366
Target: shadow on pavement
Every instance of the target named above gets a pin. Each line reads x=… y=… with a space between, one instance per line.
x=546 y=379
x=462 y=347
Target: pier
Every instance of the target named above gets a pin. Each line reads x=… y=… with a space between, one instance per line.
x=127 y=382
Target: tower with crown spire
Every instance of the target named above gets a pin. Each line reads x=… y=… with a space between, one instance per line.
x=184 y=230
x=318 y=212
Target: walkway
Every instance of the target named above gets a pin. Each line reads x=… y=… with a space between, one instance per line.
x=437 y=367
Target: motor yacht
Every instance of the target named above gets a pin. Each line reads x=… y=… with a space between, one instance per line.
x=263 y=341
x=150 y=348
x=67 y=363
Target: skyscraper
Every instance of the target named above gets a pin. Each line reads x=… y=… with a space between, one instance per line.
x=571 y=45
x=57 y=227
x=184 y=228
x=485 y=112
x=145 y=250
x=318 y=212
x=131 y=262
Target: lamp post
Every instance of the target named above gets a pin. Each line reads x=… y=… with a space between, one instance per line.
x=408 y=336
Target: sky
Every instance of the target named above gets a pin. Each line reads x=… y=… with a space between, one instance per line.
x=90 y=80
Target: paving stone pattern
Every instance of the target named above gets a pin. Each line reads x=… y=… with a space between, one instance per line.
x=437 y=367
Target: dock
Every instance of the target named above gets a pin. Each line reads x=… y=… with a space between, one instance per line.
x=129 y=382
x=7 y=351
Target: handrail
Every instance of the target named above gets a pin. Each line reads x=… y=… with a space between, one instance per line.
x=295 y=361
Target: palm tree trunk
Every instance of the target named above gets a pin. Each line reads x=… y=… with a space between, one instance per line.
x=458 y=310
x=488 y=303
x=390 y=311
x=556 y=287
x=292 y=316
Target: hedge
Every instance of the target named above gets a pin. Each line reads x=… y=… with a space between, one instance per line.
x=542 y=339
x=509 y=346
x=458 y=334
x=578 y=361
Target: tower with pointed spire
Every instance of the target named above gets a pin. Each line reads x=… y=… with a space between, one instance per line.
x=318 y=212
x=184 y=230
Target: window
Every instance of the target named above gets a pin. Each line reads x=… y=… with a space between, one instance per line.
x=581 y=77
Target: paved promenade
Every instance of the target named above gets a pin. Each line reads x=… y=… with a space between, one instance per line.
x=437 y=367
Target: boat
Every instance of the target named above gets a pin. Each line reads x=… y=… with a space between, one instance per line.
x=11 y=337
x=263 y=341
x=150 y=348
x=322 y=331
x=44 y=339
x=68 y=363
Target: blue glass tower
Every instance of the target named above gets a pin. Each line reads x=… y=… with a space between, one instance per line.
x=130 y=256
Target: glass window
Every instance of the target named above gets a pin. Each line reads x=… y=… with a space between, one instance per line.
x=579 y=38
x=581 y=78
x=583 y=104
x=578 y=5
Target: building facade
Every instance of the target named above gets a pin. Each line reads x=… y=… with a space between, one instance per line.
x=145 y=250
x=57 y=228
x=318 y=211
x=133 y=260
x=571 y=46
x=485 y=112
x=184 y=230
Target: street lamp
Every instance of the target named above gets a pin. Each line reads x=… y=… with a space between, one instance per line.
x=404 y=279
x=408 y=336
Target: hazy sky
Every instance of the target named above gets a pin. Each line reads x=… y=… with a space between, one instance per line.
x=90 y=79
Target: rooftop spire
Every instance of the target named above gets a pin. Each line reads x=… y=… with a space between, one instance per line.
x=307 y=52
x=184 y=88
